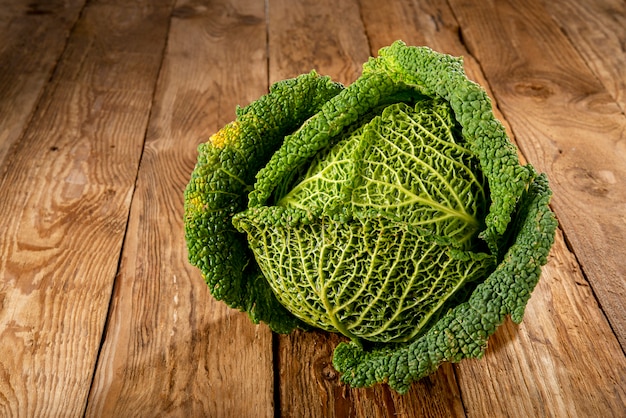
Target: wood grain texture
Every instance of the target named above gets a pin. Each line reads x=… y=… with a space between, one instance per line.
x=567 y=125
x=68 y=184
x=597 y=30
x=170 y=348
x=33 y=37
x=325 y=36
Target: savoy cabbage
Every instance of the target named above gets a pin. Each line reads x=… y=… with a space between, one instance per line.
x=394 y=211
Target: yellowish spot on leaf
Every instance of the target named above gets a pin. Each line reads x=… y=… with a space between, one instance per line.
x=225 y=135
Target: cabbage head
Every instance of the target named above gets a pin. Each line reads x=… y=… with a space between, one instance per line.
x=394 y=211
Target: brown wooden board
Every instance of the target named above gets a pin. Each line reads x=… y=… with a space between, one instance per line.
x=597 y=29
x=33 y=37
x=325 y=36
x=68 y=184
x=170 y=348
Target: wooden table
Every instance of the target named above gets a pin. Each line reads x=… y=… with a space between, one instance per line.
x=102 y=105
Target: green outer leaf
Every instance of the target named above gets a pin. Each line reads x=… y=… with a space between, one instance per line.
x=464 y=330
x=366 y=93
x=368 y=278
x=405 y=164
x=398 y=72
x=218 y=189
x=443 y=75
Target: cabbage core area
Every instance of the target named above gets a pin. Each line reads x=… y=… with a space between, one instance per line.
x=379 y=230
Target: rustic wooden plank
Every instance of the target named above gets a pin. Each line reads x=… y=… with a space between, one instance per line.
x=538 y=362
x=170 y=348
x=597 y=30
x=33 y=37
x=329 y=37
x=568 y=126
x=67 y=185
x=326 y=36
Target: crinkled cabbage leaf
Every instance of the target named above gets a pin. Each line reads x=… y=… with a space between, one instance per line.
x=379 y=233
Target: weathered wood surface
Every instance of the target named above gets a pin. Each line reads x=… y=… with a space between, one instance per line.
x=190 y=354
x=66 y=188
x=33 y=37
x=101 y=110
x=597 y=30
